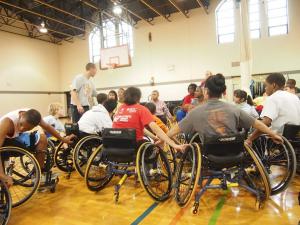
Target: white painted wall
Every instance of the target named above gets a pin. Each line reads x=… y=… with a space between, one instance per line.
x=28 y=65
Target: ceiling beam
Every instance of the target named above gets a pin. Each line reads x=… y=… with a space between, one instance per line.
x=38 y=14
x=178 y=8
x=200 y=3
x=154 y=10
x=136 y=15
x=21 y=21
x=42 y=2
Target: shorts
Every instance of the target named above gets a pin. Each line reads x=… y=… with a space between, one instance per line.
x=28 y=139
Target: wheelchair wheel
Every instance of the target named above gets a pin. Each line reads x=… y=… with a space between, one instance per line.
x=188 y=174
x=195 y=138
x=98 y=172
x=63 y=158
x=25 y=181
x=154 y=171
x=50 y=153
x=279 y=161
x=171 y=156
x=5 y=204
x=256 y=176
x=83 y=150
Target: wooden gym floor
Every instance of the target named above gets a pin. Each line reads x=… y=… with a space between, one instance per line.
x=73 y=204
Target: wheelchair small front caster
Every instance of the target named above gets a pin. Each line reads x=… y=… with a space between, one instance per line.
x=116 y=197
x=259 y=204
x=195 y=208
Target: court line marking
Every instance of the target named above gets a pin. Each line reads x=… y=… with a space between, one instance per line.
x=214 y=218
x=145 y=214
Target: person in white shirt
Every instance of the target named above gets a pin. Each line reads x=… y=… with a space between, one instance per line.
x=244 y=102
x=55 y=111
x=280 y=108
x=99 y=117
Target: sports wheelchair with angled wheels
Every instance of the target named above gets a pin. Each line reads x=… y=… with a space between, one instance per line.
x=121 y=155
x=83 y=150
x=226 y=159
x=278 y=159
x=24 y=169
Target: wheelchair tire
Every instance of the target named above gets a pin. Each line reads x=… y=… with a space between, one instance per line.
x=97 y=164
x=191 y=156
x=276 y=158
x=83 y=150
x=63 y=158
x=265 y=189
x=5 y=204
x=154 y=184
x=195 y=139
x=51 y=151
x=25 y=183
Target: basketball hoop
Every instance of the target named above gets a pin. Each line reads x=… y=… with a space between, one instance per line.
x=112 y=65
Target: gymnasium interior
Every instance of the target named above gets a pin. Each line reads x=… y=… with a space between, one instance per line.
x=73 y=61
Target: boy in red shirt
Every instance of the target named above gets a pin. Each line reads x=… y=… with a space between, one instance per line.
x=133 y=115
x=181 y=113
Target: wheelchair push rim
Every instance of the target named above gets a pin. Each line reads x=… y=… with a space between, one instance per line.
x=154 y=172
x=25 y=184
x=63 y=158
x=98 y=172
x=188 y=174
x=83 y=150
x=279 y=161
x=5 y=204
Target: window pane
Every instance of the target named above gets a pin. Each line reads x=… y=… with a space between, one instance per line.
x=275 y=4
x=226 y=38
x=254 y=25
x=277 y=21
x=225 y=21
x=278 y=30
x=255 y=34
x=277 y=12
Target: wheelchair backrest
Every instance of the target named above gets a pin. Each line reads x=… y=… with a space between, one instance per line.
x=230 y=145
x=72 y=128
x=119 y=138
x=292 y=132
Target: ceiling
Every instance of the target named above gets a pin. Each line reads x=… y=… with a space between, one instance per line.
x=69 y=19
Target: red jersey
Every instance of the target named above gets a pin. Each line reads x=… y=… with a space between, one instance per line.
x=133 y=116
x=187 y=99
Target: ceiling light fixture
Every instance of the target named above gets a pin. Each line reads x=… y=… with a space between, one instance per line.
x=42 y=28
x=117 y=9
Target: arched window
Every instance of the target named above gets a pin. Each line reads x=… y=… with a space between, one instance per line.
x=225 y=21
x=114 y=33
x=277 y=11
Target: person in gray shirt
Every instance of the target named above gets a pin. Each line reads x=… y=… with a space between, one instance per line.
x=82 y=92
x=217 y=118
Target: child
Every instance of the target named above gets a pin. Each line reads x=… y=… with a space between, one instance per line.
x=244 y=102
x=152 y=108
x=55 y=111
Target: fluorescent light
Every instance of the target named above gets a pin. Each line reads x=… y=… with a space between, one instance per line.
x=117 y=10
x=42 y=28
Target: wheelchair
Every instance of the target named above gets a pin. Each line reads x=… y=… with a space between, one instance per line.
x=24 y=169
x=119 y=156
x=226 y=159
x=83 y=150
x=292 y=134
x=5 y=204
x=278 y=159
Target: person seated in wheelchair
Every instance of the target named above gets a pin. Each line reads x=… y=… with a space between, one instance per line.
x=99 y=117
x=187 y=102
x=218 y=118
x=152 y=108
x=15 y=129
x=133 y=115
x=280 y=108
x=55 y=111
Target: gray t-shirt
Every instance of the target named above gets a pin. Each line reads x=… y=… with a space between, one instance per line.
x=85 y=89
x=216 y=118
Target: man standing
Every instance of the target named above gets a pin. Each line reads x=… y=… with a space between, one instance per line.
x=162 y=111
x=82 y=92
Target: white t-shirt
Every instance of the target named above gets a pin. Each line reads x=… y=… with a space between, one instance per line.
x=95 y=120
x=14 y=116
x=282 y=108
x=54 y=122
x=248 y=109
